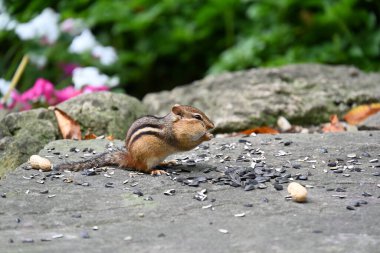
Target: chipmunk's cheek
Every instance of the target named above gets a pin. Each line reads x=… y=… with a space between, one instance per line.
x=198 y=136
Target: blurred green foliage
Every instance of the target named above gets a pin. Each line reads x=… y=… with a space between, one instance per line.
x=166 y=43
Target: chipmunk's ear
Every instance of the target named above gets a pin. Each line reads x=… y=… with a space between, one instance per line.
x=177 y=110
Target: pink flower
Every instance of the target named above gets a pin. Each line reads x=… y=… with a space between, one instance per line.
x=42 y=89
x=90 y=89
x=18 y=102
x=68 y=68
x=66 y=93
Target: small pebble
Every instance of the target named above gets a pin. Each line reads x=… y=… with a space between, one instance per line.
x=95 y=228
x=128 y=238
x=44 y=191
x=148 y=198
x=278 y=187
x=350 y=208
x=3 y=195
x=374 y=160
x=161 y=235
x=248 y=205
x=352 y=155
x=77 y=215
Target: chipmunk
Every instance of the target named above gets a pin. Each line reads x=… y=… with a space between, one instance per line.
x=151 y=139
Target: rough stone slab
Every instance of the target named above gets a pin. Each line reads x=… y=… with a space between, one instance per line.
x=304 y=94
x=179 y=224
x=104 y=112
x=371 y=123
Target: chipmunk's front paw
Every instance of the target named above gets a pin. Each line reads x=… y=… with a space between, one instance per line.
x=158 y=172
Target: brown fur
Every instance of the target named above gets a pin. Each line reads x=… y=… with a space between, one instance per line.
x=151 y=139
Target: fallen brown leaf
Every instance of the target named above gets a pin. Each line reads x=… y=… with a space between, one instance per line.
x=69 y=128
x=90 y=136
x=334 y=126
x=110 y=137
x=260 y=130
x=360 y=113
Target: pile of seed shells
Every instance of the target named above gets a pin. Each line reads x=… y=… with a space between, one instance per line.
x=247 y=170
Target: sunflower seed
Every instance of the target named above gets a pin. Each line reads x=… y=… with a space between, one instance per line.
x=56 y=236
x=138 y=192
x=207 y=206
x=169 y=192
x=128 y=238
x=223 y=231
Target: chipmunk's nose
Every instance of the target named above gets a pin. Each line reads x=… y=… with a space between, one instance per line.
x=210 y=125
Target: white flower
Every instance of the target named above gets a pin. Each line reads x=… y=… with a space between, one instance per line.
x=6 y=22
x=73 y=26
x=39 y=60
x=83 y=42
x=4 y=86
x=106 y=55
x=92 y=76
x=43 y=26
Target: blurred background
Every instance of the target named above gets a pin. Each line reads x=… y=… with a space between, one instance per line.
x=142 y=46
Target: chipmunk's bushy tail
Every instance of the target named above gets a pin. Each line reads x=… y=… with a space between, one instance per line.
x=110 y=158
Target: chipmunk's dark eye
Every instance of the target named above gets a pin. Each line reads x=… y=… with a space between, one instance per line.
x=197 y=116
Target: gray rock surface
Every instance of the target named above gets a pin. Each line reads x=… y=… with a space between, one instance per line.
x=371 y=123
x=104 y=112
x=63 y=214
x=307 y=93
x=23 y=134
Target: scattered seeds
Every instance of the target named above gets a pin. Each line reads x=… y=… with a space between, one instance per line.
x=169 y=192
